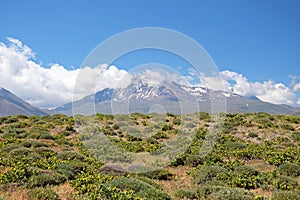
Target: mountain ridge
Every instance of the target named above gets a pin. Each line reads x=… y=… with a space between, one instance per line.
x=145 y=98
x=170 y=97
x=10 y=104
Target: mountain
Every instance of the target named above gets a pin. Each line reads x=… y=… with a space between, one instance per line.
x=296 y=112
x=10 y=104
x=143 y=97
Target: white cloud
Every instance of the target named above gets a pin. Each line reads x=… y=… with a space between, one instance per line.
x=90 y=80
x=113 y=77
x=157 y=76
x=213 y=82
x=268 y=91
x=17 y=46
x=296 y=87
x=48 y=87
x=295 y=83
x=151 y=77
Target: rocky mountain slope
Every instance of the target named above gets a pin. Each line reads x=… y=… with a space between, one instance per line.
x=171 y=97
x=10 y=104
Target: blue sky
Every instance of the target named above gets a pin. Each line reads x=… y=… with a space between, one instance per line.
x=258 y=39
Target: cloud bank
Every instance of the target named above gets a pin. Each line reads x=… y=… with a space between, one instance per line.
x=47 y=87
x=267 y=91
x=53 y=86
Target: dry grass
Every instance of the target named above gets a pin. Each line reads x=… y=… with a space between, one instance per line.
x=14 y=193
x=65 y=191
x=57 y=130
x=260 y=192
x=260 y=165
x=4 y=169
x=181 y=180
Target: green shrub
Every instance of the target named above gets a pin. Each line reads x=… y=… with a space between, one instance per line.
x=149 y=181
x=70 y=155
x=287 y=127
x=20 y=152
x=40 y=144
x=246 y=170
x=43 y=194
x=45 y=152
x=99 y=186
x=223 y=193
x=16 y=174
x=37 y=128
x=160 y=135
x=161 y=174
x=177 y=121
x=136 y=116
x=9 y=135
x=166 y=127
x=62 y=134
x=27 y=144
x=141 y=189
x=2 y=120
x=278 y=156
x=216 y=182
x=205 y=116
x=116 y=126
x=186 y=194
x=296 y=136
x=203 y=174
x=286 y=195
x=289 y=169
x=70 y=128
x=133 y=146
x=64 y=142
x=65 y=169
x=33 y=157
x=133 y=138
x=71 y=169
x=246 y=177
x=21 y=116
x=46 y=136
x=33 y=171
x=234 y=145
x=10 y=120
x=248 y=124
x=194 y=159
x=170 y=114
x=11 y=147
x=253 y=135
x=292 y=119
x=246 y=181
x=122 y=124
x=285 y=183
x=44 y=179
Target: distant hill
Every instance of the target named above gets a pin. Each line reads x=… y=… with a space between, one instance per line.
x=172 y=97
x=296 y=112
x=10 y=104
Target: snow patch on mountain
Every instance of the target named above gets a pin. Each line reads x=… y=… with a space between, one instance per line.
x=226 y=94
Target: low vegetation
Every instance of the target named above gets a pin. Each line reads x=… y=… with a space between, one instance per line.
x=254 y=156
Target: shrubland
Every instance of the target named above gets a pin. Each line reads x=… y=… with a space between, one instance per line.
x=253 y=156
